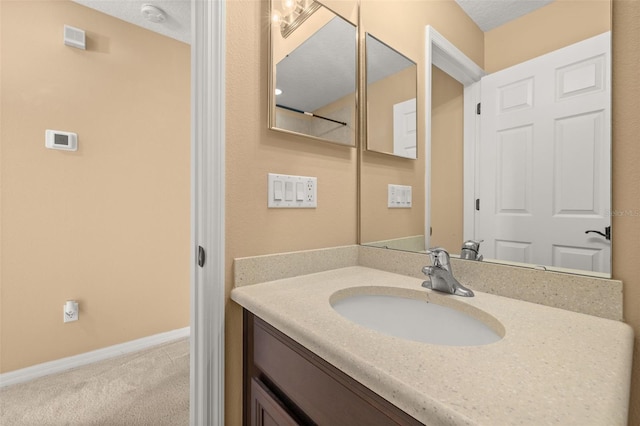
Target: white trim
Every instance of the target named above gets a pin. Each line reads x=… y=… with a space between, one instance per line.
x=69 y=363
x=207 y=211
x=471 y=139
x=451 y=60
x=443 y=54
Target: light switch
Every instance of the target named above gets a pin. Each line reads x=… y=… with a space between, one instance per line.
x=288 y=191
x=277 y=190
x=399 y=196
x=299 y=191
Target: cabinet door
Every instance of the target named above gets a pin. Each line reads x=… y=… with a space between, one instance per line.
x=266 y=410
x=312 y=390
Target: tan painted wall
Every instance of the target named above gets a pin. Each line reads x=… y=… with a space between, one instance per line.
x=246 y=121
x=381 y=97
x=447 y=147
x=107 y=225
x=626 y=173
x=565 y=22
x=381 y=18
x=252 y=151
x=378 y=222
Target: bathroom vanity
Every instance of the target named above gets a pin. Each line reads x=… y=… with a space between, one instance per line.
x=291 y=385
x=307 y=364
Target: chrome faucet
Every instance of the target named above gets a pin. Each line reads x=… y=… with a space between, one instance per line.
x=440 y=274
x=470 y=250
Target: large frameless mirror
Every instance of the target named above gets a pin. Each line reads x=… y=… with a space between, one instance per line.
x=531 y=174
x=313 y=72
x=391 y=100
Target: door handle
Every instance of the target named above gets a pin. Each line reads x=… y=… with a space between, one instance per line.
x=607 y=232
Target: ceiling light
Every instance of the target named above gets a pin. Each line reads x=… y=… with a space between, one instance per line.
x=153 y=14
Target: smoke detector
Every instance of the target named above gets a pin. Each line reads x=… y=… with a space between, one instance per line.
x=153 y=14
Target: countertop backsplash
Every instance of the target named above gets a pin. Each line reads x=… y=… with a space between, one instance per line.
x=578 y=293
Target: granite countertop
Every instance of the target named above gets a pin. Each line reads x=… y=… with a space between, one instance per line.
x=552 y=367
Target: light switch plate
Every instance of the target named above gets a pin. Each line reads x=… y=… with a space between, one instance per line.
x=292 y=192
x=399 y=196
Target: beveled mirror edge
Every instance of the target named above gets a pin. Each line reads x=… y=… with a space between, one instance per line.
x=271 y=102
x=365 y=121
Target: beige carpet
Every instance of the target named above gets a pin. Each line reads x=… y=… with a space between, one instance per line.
x=149 y=387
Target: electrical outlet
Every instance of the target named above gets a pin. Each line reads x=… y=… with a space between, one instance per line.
x=311 y=194
x=70 y=311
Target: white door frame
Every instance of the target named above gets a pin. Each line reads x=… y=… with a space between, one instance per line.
x=207 y=211
x=446 y=56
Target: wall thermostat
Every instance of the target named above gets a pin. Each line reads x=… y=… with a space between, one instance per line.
x=55 y=139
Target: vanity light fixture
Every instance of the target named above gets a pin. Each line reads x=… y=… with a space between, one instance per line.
x=278 y=92
x=292 y=14
x=153 y=13
x=288 y=6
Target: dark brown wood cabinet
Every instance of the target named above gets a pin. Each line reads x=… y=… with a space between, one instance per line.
x=266 y=409
x=286 y=384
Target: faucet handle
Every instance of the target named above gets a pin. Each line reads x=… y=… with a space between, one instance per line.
x=470 y=250
x=439 y=257
x=472 y=245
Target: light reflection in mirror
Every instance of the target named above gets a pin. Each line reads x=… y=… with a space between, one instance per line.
x=391 y=100
x=313 y=68
x=560 y=31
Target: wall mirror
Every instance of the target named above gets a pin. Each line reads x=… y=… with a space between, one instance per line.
x=313 y=72
x=489 y=177
x=392 y=87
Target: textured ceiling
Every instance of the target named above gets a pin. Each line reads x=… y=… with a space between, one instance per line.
x=489 y=14
x=178 y=14
x=309 y=93
x=321 y=70
x=382 y=60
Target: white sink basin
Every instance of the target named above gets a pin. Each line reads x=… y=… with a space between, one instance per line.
x=414 y=319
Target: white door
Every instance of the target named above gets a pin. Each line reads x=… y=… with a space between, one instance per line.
x=404 y=128
x=545 y=159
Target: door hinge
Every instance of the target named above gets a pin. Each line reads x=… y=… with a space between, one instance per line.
x=201 y=256
x=478 y=204
x=478 y=108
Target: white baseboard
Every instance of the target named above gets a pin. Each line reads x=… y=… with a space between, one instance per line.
x=59 y=365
